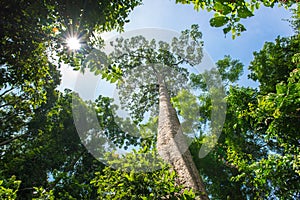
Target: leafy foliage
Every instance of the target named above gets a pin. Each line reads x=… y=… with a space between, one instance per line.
x=9 y=188
x=257 y=154
x=138 y=62
x=29 y=46
x=125 y=183
x=274 y=62
x=38 y=139
x=229 y=13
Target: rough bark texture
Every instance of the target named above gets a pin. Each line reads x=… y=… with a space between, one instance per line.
x=173 y=147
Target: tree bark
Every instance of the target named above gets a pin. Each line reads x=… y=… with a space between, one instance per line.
x=172 y=145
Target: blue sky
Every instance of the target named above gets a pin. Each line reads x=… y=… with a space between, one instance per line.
x=266 y=25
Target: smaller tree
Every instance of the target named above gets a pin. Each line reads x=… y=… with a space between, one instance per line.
x=215 y=168
x=126 y=183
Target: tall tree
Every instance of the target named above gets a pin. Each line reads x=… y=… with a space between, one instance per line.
x=151 y=73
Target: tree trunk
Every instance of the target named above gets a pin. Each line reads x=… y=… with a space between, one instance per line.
x=172 y=145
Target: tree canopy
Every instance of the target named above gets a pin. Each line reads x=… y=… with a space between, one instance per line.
x=27 y=42
x=43 y=156
x=37 y=138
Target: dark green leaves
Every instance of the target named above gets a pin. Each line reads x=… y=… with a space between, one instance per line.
x=258 y=152
x=244 y=12
x=222 y=8
x=219 y=21
x=274 y=54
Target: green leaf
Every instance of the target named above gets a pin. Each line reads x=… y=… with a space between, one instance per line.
x=97 y=72
x=222 y=8
x=244 y=12
x=226 y=30
x=219 y=21
x=76 y=68
x=114 y=79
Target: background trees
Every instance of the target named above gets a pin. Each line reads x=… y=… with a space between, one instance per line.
x=38 y=141
x=257 y=154
x=28 y=40
x=274 y=117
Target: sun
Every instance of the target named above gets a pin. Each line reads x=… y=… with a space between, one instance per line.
x=73 y=43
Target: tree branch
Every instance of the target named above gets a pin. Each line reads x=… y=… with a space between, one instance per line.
x=7 y=91
x=12 y=139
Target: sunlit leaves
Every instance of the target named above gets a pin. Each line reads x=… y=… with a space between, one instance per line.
x=9 y=188
x=244 y=12
x=279 y=55
x=125 y=183
x=272 y=119
x=228 y=12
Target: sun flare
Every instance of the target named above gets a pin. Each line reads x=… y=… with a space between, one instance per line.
x=73 y=43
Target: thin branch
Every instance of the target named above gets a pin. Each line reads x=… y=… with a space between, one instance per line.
x=7 y=91
x=180 y=62
x=12 y=139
